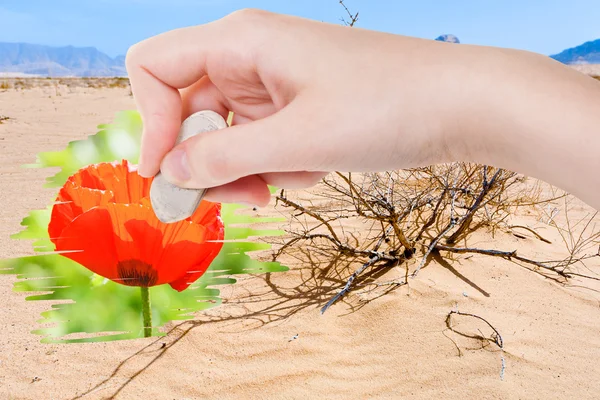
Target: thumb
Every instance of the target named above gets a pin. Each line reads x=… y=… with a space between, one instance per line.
x=276 y=143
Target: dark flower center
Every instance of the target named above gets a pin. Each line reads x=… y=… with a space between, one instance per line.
x=136 y=273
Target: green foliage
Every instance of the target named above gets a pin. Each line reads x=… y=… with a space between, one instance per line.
x=86 y=307
x=114 y=142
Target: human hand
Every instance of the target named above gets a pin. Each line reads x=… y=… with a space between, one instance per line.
x=307 y=98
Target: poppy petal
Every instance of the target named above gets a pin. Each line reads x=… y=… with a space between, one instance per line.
x=72 y=201
x=119 y=178
x=199 y=253
x=210 y=251
x=89 y=241
x=184 y=251
x=208 y=214
x=88 y=178
x=173 y=250
x=127 y=186
x=98 y=240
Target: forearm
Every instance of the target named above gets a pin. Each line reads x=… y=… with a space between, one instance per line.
x=533 y=115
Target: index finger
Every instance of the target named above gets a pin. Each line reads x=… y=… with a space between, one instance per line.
x=157 y=68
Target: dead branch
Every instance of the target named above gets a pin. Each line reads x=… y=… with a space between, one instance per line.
x=391 y=216
x=431 y=247
x=512 y=255
x=496 y=337
x=353 y=17
x=487 y=187
x=532 y=231
x=348 y=285
x=508 y=255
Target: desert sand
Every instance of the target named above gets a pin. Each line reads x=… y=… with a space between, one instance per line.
x=588 y=69
x=395 y=346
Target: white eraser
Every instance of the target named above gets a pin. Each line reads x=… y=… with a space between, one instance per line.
x=172 y=203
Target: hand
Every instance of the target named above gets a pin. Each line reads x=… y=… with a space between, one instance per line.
x=307 y=98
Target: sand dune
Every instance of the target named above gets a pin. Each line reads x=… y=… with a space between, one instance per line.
x=394 y=346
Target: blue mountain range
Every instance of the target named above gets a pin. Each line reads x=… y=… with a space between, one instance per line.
x=587 y=53
x=42 y=60
x=59 y=61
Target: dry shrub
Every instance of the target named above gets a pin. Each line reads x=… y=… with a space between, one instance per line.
x=70 y=83
x=406 y=218
x=118 y=83
x=20 y=84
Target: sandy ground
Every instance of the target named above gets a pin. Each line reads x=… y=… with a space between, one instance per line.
x=589 y=69
x=396 y=346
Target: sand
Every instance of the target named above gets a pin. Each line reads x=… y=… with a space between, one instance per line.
x=588 y=69
x=395 y=346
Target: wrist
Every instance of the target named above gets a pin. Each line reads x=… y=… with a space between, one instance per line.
x=452 y=97
x=499 y=104
x=530 y=114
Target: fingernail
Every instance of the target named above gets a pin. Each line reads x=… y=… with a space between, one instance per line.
x=175 y=167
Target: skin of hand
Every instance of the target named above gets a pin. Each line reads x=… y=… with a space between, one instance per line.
x=309 y=98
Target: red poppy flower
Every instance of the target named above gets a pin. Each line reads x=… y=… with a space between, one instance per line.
x=103 y=220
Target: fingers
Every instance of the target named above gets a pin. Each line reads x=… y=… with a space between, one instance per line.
x=203 y=95
x=250 y=190
x=160 y=118
x=157 y=69
x=220 y=157
x=293 y=180
x=253 y=190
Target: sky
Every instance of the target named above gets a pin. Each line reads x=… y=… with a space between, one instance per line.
x=543 y=26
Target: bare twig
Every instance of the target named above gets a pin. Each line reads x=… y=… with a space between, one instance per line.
x=346 y=287
x=353 y=17
x=512 y=255
x=496 y=338
x=532 y=231
x=477 y=204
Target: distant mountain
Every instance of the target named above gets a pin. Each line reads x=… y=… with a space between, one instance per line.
x=587 y=53
x=447 y=38
x=32 y=59
x=36 y=59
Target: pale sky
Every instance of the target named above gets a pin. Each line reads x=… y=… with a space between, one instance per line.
x=543 y=26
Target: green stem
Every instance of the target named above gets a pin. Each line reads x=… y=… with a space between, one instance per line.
x=146 y=312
